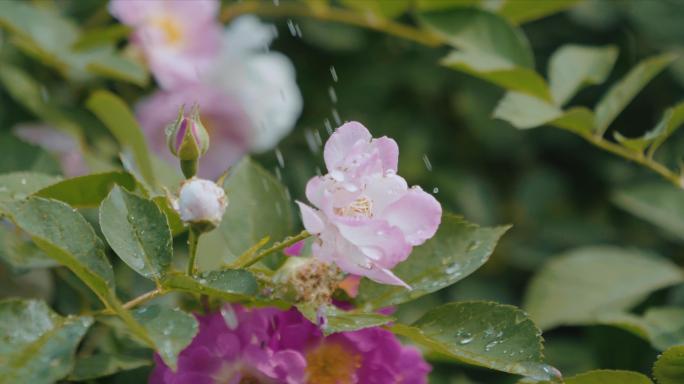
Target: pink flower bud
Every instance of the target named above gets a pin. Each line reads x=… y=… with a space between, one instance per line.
x=187 y=138
x=201 y=202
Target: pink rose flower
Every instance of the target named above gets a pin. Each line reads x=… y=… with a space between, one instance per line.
x=178 y=38
x=367 y=218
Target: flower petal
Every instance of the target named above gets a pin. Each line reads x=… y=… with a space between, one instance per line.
x=383 y=190
x=376 y=239
x=342 y=141
x=312 y=222
x=389 y=152
x=417 y=214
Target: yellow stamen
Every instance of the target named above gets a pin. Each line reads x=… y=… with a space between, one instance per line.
x=359 y=207
x=331 y=363
x=171 y=28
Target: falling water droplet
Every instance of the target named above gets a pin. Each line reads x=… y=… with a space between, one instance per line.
x=23 y=181
x=279 y=176
x=229 y=316
x=317 y=136
x=44 y=94
x=333 y=73
x=279 y=156
x=336 y=117
x=435 y=190
x=311 y=141
x=428 y=165
x=291 y=27
x=332 y=94
x=328 y=126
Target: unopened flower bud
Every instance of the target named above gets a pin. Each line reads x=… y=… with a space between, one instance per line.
x=188 y=140
x=201 y=203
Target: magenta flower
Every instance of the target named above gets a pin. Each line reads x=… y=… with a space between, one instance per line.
x=178 y=38
x=272 y=346
x=367 y=219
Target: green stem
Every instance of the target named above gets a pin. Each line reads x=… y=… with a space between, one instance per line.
x=637 y=157
x=335 y=14
x=193 y=239
x=274 y=248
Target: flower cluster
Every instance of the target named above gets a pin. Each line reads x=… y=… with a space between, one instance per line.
x=266 y=345
x=367 y=218
x=248 y=95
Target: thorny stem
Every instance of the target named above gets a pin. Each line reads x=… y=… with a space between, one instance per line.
x=327 y=13
x=193 y=239
x=275 y=248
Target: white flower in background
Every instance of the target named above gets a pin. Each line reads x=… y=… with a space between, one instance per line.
x=201 y=202
x=263 y=81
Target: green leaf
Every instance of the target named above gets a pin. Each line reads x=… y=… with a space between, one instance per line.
x=524 y=111
x=170 y=329
x=229 y=285
x=17 y=250
x=37 y=344
x=118 y=118
x=99 y=36
x=16 y=155
x=605 y=376
x=489 y=335
x=379 y=8
x=258 y=206
x=479 y=31
x=669 y=368
x=498 y=71
x=30 y=94
x=337 y=320
x=457 y=250
x=105 y=364
x=87 y=191
x=18 y=185
x=138 y=231
x=172 y=216
x=653 y=139
x=579 y=120
x=578 y=286
x=622 y=93
x=573 y=66
x=62 y=233
x=663 y=327
x=51 y=38
x=661 y=204
x=523 y=11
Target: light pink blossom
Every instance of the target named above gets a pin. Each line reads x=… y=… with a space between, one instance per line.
x=367 y=219
x=179 y=38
